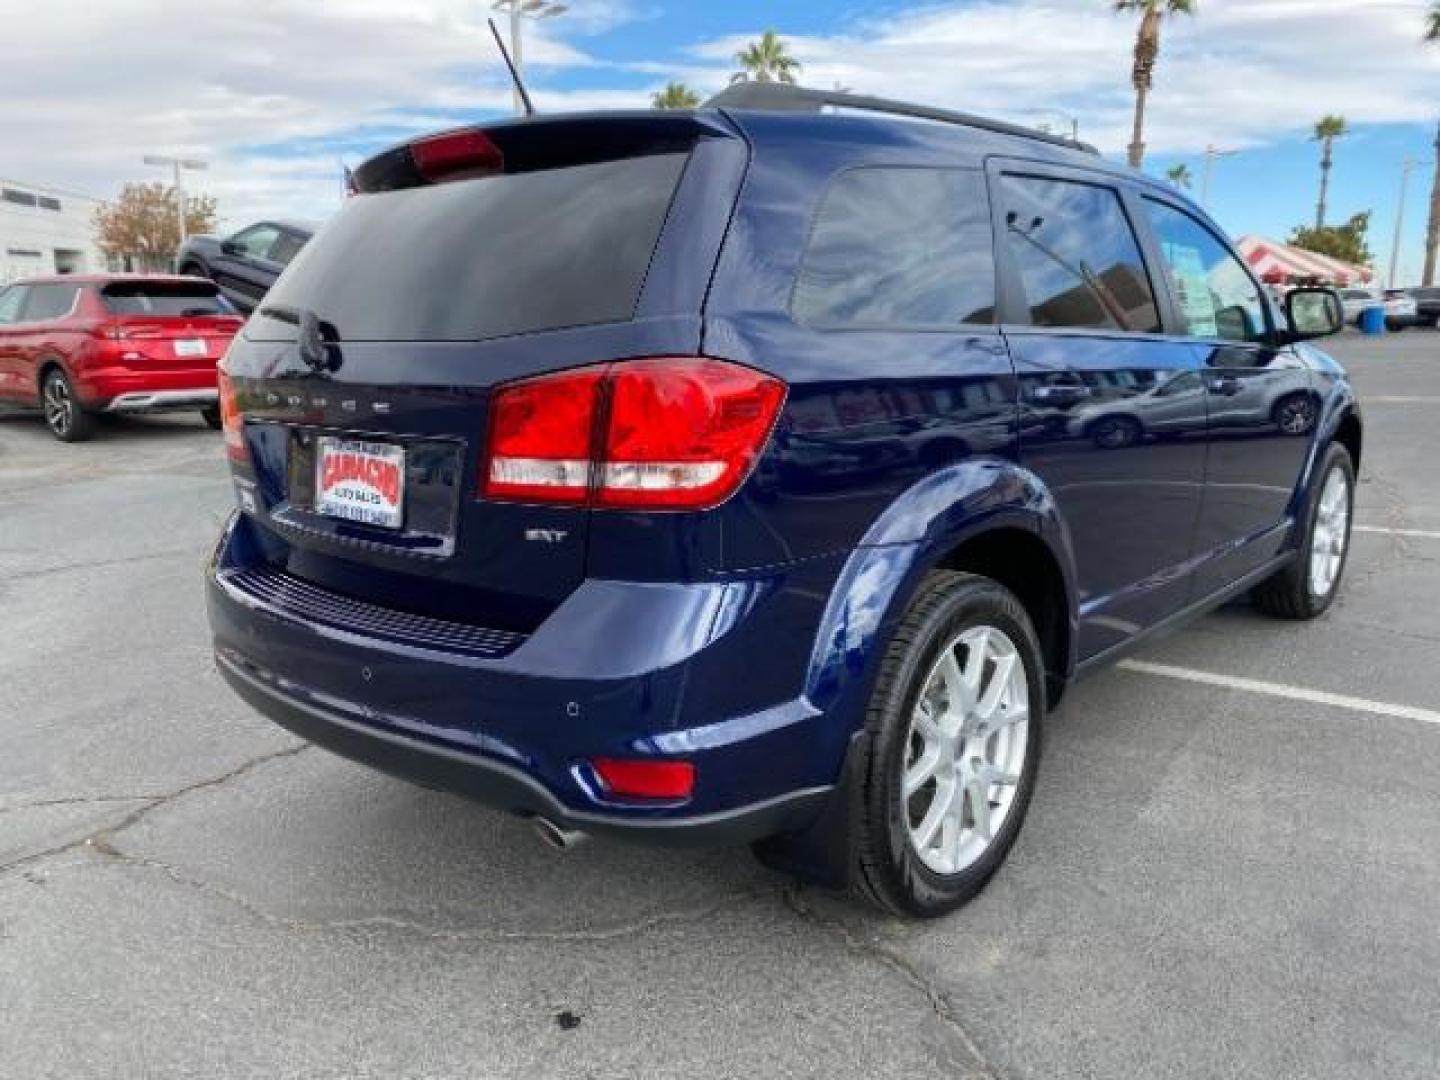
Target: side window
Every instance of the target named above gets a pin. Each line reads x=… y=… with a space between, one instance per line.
x=899 y=248
x=1077 y=256
x=10 y=301
x=286 y=248
x=1216 y=295
x=256 y=240
x=49 y=302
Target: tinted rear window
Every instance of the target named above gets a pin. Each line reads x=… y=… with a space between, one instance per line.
x=483 y=258
x=899 y=247
x=160 y=298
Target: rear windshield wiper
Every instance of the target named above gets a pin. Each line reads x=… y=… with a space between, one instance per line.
x=315 y=334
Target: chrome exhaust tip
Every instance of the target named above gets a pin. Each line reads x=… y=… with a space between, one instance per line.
x=557 y=836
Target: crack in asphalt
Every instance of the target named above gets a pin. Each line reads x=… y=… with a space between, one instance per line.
x=102 y=846
x=101 y=836
x=938 y=1002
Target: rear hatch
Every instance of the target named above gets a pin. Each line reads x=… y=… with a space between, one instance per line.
x=165 y=324
x=364 y=379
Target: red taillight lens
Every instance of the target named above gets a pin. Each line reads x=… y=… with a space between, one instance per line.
x=643 y=779
x=231 y=423
x=456 y=155
x=675 y=433
x=541 y=432
x=683 y=433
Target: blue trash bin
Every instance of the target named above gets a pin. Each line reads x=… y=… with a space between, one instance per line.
x=1372 y=320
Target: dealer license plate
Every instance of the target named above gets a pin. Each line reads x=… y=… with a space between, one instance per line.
x=360 y=481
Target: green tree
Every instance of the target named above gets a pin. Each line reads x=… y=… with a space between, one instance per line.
x=143 y=224
x=1327 y=130
x=1348 y=243
x=1179 y=175
x=675 y=96
x=766 y=60
x=1432 y=22
x=1147 y=52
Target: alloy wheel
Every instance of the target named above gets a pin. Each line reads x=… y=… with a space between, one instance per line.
x=966 y=750
x=1331 y=533
x=59 y=405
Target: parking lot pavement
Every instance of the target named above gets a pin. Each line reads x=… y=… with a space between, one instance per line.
x=1224 y=871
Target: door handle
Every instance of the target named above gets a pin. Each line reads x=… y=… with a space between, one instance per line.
x=1225 y=385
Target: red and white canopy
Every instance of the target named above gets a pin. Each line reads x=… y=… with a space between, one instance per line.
x=1281 y=264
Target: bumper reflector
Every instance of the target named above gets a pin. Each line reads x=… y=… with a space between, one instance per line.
x=646 y=779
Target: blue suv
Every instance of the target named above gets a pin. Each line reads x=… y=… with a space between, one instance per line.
x=760 y=473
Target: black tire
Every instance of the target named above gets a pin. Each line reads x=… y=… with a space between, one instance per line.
x=1289 y=594
x=890 y=872
x=1115 y=432
x=1295 y=414
x=212 y=417
x=64 y=416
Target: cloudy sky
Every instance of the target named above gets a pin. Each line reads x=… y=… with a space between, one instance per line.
x=274 y=93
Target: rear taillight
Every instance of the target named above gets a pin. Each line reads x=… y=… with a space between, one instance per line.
x=663 y=433
x=231 y=423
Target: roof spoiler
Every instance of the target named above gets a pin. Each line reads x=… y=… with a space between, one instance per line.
x=784 y=97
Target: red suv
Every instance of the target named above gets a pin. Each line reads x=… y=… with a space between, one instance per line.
x=112 y=343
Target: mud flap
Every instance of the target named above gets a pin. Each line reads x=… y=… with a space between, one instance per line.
x=824 y=853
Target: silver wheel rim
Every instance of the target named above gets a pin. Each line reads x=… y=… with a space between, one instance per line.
x=58 y=405
x=1331 y=533
x=966 y=749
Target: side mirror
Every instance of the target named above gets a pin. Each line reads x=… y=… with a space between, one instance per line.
x=230 y=247
x=1314 y=313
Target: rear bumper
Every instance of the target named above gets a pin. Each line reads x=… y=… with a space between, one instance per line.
x=711 y=674
x=495 y=783
x=162 y=400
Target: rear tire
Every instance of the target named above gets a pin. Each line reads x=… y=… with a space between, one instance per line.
x=64 y=416
x=1308 y=586
x=212 y=417
x=951 y=749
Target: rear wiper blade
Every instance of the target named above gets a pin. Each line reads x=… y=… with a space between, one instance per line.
x=314 y=337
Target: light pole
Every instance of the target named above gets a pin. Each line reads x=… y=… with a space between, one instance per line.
x=177 y=164
x=1211 y=153
x=525 y=9
x=1405 y=170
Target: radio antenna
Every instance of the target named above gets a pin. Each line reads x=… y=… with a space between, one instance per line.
x=514 y=74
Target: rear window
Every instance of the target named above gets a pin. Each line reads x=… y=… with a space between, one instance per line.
x=163 y=298
x=483 y=258
x=899 y=248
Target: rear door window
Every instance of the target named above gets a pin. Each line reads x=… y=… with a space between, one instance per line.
x=483 y=258
x=47 y=302
x=1076 y=256
x=164 y=298
x=899 y=248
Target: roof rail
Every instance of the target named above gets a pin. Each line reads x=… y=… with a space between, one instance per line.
x=785 y=97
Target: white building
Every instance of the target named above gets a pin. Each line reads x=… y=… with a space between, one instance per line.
x=43 y=231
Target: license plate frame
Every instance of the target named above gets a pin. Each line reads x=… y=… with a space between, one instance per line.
x=191 y=348
x=361 y=481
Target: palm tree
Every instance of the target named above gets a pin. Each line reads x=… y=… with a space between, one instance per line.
x=766 y=61
x=1179 y=175
x=1147 y=52
x=1327 y=130
x=675 y=96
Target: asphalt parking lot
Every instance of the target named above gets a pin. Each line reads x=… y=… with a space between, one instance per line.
x=1231 y=867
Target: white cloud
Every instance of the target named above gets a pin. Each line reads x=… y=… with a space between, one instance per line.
x=89 y=88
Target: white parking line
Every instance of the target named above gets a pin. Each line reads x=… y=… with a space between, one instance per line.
x=1422 y=534
x=1294 y=693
